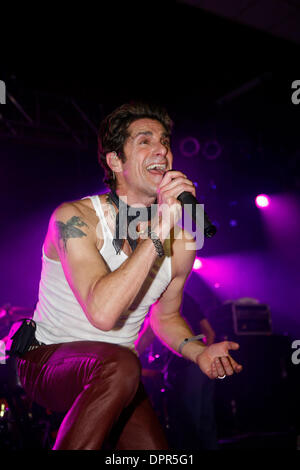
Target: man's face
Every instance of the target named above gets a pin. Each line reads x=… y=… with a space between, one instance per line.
x=148 y=157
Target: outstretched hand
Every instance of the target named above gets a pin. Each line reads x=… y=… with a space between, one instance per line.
x=215 y=361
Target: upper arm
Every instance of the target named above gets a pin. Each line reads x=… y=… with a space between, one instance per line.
x=75 y=241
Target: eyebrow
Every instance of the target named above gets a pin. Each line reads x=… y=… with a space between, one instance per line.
x=164 y=134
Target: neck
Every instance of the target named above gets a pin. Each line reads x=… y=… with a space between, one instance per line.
x=134 y=199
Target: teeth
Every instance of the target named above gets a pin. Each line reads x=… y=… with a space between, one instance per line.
x=156 y=166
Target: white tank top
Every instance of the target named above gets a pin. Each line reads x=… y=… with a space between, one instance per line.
x=59 y=316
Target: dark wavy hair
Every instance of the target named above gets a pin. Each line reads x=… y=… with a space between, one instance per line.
x=113 y=131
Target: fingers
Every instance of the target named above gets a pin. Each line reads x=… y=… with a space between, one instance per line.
x=173 y=184
x=213 y=372
x=221 y=362
x=225 y=365
x=235 y=366
x=232 y=345
x=173 y=178
x=177 y=189
x=216 y=362
x=220 y=367
x=169 y=176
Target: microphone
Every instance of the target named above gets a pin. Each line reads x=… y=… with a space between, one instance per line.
x=192 y=206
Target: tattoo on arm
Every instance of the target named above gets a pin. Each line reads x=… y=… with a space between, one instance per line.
x=70 y=230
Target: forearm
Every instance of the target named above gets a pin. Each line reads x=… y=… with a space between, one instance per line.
x=172 y=331
x=113 y=293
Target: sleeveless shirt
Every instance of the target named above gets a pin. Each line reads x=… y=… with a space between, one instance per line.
x=59 y=316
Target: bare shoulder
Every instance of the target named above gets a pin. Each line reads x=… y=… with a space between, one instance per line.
x=70 y=219
x=81 y=208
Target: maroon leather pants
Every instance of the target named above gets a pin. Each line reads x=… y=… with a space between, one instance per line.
x=98 y=385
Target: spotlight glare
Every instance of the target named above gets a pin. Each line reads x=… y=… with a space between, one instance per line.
x=197 y=264
x=262 y=201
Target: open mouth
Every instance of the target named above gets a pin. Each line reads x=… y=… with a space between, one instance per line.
x=157 y=168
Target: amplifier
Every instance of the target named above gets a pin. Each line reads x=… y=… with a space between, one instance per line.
x=252 y=319
x=241 y=318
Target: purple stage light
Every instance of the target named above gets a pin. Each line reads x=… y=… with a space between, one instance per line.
x=262 y=201
x=197 y=264
x=282 y=225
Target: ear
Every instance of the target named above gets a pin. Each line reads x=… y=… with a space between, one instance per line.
x=114 y=162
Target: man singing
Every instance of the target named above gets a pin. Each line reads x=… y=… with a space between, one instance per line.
x=97 y=285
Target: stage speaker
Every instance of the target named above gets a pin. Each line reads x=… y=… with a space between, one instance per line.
x=244 y=317
x=263 y=397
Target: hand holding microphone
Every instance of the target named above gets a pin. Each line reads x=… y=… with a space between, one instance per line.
x=174 y=187
x=190 y=203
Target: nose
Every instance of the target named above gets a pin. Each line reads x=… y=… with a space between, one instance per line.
x=161 y=149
